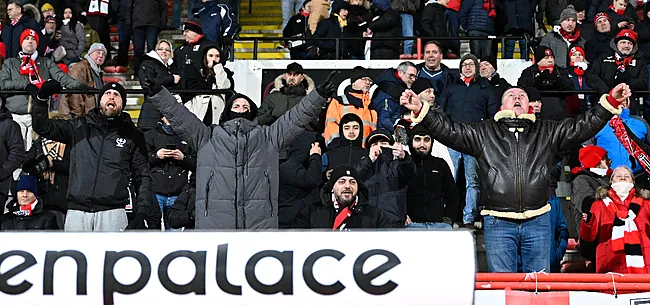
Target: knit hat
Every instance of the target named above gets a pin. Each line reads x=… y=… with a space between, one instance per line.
x=28 y=32
x=468 y=57
x=578 y=49
x=339 y=5
x=96 y=47
x=295 y=68
x=378 y=135
x=193 y=25
x=117 y=87
x=420 y=85
x=624 y=34
x=343 y=170
x=591 y=155
x=27 y=183
x=357 y=73
x=46 y=7
x=491 y=59
x=541 y=52
x=533 y=94
x=568 y=12
x=601 y=15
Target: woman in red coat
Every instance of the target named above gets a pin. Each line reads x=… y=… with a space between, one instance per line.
x=618 y=222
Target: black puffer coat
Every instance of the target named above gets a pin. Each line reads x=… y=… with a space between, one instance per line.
x=154 y=68
x=39 y=220
x=387 y=25
x=168 y=176
x=12 y=150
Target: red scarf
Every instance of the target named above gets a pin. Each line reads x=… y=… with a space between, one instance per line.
x=306 y=14
x=342 y=216
x=197 y=39
x=467 y=80
x=618 y=12
x=570 y=37
x=622 y=63
x=632 y=148
x=25 y=210
x=578 y=71
x=549 y=68
x=28 y=67
x=625 y=235
x=489 y=6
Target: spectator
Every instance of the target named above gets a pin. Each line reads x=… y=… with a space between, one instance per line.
x=26 y=210
x=593 y=173
x=567 y=35
x=434 y=24
x=298 y=27
x=453 y=7
x=47 y=10
x=478 y=21
x=72 y=37
x=520 y=22
x=577 y=65
x=516 y=214
x=333 y=27
x=488 y=70
x=28 y=71
x=552 y=9
x=599 y=43
x=300 y=178
x=359 y=17
x=21 y=18
x=233 y=204
x=535 y=100
x=92 y=36
x=96 y=11
x=192 y=52
x=385 y=24
x=406 y=10
x=422 y=87
x=320 y=9
x=643 y=29
x=469 y=100
x=182 y=213
x=219 y=25
x=622 y=16
x=288 y=8
x=387 y=170
x=621 y=236
x=290 y=88
x=433 y=69
x=346 y=149
x=356 y=99
x=49 y=161
x=12 y=151
x=50 y=39
x=545 y=75
x=343 y=205
x=559 y=235
x=392 y=83
x=586 y=28
x=432 y=196
x=124 y=31
x=89 y=72
x=106 y=149
x=157 y=65
x=145 y=26
x=171 y=161
x=213 y=75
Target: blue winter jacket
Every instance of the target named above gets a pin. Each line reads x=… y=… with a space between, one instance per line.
x=615 y=150
x=218 y=21
x=469 y=104
x=474 y=18
x=388 y=111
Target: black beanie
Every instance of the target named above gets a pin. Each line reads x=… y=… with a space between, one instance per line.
x=420 y=85
x=193 y=25
x=357 y=73
x=492 y=60
x=541 y=52
x=343 y=170
x=117 y=87
x=533 y=94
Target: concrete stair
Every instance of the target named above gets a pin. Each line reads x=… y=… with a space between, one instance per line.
x=264 y=20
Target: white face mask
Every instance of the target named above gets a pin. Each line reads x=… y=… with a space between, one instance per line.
x=622 y=188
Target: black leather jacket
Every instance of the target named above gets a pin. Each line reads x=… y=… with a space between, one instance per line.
x=515 y=154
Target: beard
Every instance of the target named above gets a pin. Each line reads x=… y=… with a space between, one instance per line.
x=345 y=199
x=111 y=113
x=423 y=153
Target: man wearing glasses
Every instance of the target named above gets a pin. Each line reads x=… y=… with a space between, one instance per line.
x=469 y=99
x=392 y=83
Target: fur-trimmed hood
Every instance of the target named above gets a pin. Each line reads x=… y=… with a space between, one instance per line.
x=31 y=10
x=308 y=82
x=601 y=193
x=156 y=56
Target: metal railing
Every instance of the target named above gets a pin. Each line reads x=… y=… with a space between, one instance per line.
x=418 y=40
x=128 y=91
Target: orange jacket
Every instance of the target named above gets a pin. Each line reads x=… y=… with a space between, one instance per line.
x=341 y=106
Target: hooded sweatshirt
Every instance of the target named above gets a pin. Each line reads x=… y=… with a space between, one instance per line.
x=344 y=151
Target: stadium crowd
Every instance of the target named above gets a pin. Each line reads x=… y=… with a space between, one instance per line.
x=420 y=146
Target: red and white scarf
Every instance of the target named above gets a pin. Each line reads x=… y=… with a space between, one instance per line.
x=570 y=37
x=625 y=235
x=26 y=210
x=622 y=63
x=340 y=221
x=28 y=67
x=632 y=148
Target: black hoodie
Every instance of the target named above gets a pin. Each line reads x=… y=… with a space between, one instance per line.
x=226 y=115
x=344 y=151
x=432 y=194
x=12 y=150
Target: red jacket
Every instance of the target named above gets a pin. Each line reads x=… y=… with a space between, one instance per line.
x=599 y=229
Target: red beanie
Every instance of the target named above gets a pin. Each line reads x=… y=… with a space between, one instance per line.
x=578 y=49
x=628 y=35
x=28 y=32
x=591 y=155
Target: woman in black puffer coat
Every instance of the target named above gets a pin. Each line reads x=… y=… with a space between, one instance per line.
x=156 y=65
x=358 y=19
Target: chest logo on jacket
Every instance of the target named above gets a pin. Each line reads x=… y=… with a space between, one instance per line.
x=119 y=142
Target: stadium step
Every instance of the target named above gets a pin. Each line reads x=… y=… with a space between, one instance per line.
x=264 y=20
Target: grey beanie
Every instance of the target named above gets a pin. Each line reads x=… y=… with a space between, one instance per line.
x=568 y=12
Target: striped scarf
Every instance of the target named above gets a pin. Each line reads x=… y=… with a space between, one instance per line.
x=340 y=221
x=632 y=148
x=625 y=236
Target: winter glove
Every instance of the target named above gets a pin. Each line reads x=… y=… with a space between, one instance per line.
x=49 y=88
x=32 y=89
x=327 y=88
x=149 y=84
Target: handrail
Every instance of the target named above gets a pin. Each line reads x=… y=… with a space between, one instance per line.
x=128 y=91
x=541 y=281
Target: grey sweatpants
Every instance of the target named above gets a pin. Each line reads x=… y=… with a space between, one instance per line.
x=104 y=221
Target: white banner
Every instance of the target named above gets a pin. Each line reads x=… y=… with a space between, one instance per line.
x=314 y=268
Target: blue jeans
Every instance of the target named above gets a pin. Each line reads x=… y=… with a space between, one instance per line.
x=432 y=226
x=148 y=34
x=454 y=28
x=510 y=48
x=124 y=33
x=176 y=14
x=507 y=239
x=165 y=203
x=472 y=194
x=407 y=31
x=289 y=7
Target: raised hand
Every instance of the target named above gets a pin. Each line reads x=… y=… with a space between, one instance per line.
x=411 y=101
x=327 y=88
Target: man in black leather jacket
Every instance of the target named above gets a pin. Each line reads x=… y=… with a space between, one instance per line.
x=515 y=152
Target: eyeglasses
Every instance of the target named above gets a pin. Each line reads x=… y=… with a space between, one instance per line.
x=367 y=79
x=467 y=65
x=164 y=49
